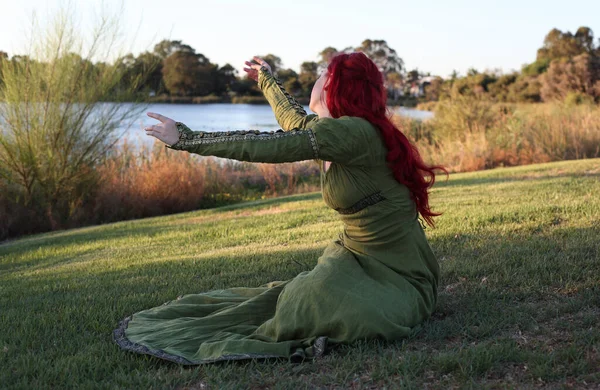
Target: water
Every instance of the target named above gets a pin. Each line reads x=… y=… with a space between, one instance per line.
x=215 y=117
x=414 y=114
x=222 y=117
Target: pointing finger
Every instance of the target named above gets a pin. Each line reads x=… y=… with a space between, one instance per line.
x=159 y=117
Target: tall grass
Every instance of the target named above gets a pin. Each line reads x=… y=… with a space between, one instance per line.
x=151 y=180
x=144 y=181
x=468 y=134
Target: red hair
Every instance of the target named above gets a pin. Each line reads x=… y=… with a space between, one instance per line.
x=355 y=88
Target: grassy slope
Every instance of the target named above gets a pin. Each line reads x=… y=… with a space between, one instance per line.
x=519 y=301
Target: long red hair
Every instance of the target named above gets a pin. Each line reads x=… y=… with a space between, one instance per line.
x=355 y=88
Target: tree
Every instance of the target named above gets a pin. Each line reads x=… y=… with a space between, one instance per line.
x=585 y=38
x=149 y=65
x=395 y=84
x=187 y=73
x=413 y=76
x=289 y=79
x=273 y=61
x=308 y=77
x=455 y=75
x=165 y=48
x=472 y=72
x=559 y=45
x=536 y=68
x=386 y=58
x=55 y=128
x=246 y=86
x=580 y=74
x=326 y=55
x=226 y=77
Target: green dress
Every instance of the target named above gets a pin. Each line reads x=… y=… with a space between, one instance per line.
x=377 y=280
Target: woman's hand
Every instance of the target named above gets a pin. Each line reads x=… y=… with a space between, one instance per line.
x=166 y=131
x=253 y=69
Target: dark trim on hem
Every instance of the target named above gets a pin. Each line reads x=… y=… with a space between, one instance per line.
x=319 y=348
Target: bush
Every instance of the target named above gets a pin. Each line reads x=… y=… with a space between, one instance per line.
x=575 y=98
x=54 y=128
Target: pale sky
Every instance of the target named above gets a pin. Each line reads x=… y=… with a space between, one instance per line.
x=434 y=36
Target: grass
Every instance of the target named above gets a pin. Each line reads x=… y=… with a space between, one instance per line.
x=518 y=306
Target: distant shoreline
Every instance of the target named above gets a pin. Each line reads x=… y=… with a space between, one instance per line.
x=212 y=99
x=258 y=100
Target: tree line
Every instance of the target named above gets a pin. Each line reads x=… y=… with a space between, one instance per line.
x=567 y=68
x=175 y=69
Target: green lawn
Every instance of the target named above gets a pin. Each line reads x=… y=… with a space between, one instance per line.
x=519 y=302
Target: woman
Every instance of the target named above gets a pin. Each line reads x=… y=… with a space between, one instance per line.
x=378 y=280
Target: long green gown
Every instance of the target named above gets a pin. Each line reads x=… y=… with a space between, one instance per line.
x=378 y=280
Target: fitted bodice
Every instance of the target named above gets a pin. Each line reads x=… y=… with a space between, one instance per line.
x=379 y=216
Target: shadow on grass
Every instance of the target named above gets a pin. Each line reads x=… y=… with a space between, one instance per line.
x=493 y=284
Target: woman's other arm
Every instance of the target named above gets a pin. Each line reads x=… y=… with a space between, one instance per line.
x=289 y=113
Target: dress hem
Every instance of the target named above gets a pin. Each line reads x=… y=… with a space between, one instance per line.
x=121 y=339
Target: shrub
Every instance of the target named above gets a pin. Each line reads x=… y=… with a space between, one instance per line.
x=54 y=127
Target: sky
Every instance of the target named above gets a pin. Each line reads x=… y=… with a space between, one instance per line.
x=436 y=36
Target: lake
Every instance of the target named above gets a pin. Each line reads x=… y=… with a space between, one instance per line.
x=223 y=117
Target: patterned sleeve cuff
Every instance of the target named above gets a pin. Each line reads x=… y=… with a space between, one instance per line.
x=263 y=76
x=182 y=129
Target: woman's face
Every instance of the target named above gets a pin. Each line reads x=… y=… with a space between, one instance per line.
x=316 y=105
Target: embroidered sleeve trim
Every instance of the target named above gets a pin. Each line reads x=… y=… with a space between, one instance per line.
x=191 y=138
x=362 y=204
x=313 y=143
x=293 y=102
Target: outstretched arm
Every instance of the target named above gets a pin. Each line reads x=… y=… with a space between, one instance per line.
x=249 y=145
x=328 y=139
x=289 y=113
